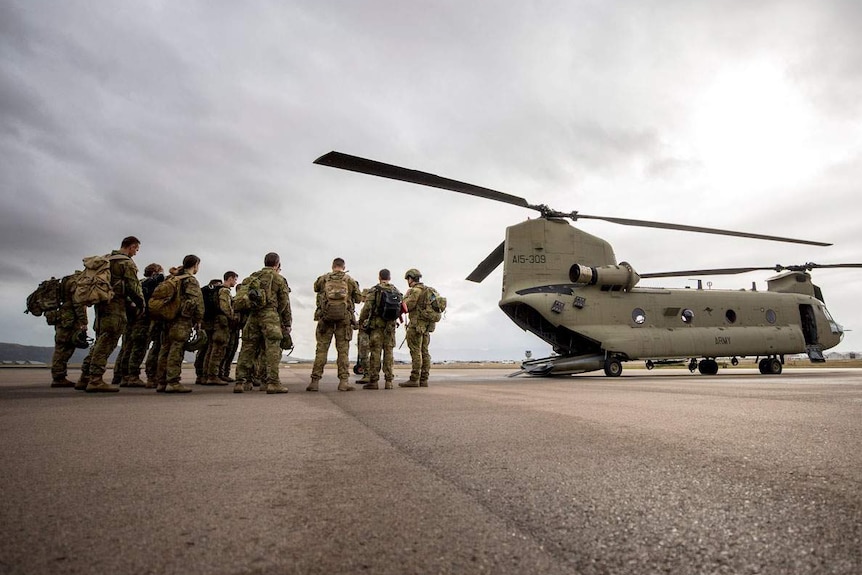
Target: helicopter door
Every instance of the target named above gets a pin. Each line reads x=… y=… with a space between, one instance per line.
x=809 y=330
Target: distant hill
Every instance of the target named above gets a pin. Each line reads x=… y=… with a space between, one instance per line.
x=17 y=352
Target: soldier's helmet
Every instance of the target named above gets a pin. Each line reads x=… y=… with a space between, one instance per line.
x=197 y=340
x=413 y=273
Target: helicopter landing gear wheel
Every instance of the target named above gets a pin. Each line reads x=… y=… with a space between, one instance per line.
x=707 y=367
x=613 y=367
x=770 y=366
x=649 y=364
x=692 y=365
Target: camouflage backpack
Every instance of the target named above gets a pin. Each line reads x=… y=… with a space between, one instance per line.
x=45 y=298
x=165 y=303
x=334 y=305
x=250 y=294
x=94 y=283
x=431 y=305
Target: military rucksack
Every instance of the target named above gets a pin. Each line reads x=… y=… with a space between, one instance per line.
x=149 y=285
x=95 y=282
x=389 y=304
x=166 y=301
x=211 y=303
x=431 y=305
x=334 y=306
x=250 y=294
x=47 y=297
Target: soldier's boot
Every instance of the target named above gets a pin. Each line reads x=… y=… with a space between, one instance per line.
x=227 y=379
x=409 y=383
x=124 y=381
x=238 y=387
x=363 y=379
x=213 y=380
x=343 y=385
x=275 y=388
x=98 y=385
x=313 y=385
x=388 y=384
x=199 y=380
x=423 y=383
x=116 y=378
x=151 y=383
x=135 y=381
x=62 y=382
x=161 y=386
x=82 y=382
x=177 y=387
x=370 y=385
x=247 y=385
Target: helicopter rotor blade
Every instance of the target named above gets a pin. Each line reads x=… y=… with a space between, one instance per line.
x=374 y=168
x=699 y=229
x=488 y=265
x=731 y=271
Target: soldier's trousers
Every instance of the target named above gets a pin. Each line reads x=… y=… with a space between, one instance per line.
x=174 y=337
x=262 y=330
x=219 y=337
x=342 y=331
x=363 y=351
x=136 y=339
x=110 y=325
x=64 y=347
x=381 y=341
x=201 y=354
x=151 y=364
x=417 y=340
x=230 y=353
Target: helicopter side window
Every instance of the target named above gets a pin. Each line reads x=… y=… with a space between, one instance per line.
x=687 y=316
x=770 y=315
x=638 y=316
x=730 y=316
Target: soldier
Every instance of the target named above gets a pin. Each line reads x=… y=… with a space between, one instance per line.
x=71 y=321
x=155 y=329
x=137 y=337
x=362 y=349
x=111 y=316
x=337 y=294
x=210 y=293
x=418 y=332
x=233 y=342
x=176 y=332
x=378 y=319
x=220 y=331
x=265 y=326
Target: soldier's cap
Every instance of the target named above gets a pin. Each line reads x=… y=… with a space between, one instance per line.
x=413 y=273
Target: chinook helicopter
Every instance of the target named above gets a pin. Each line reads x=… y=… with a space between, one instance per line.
x=565 y=286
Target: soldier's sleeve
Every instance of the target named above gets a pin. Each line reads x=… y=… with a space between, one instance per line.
x=286 y=314
x=225 y=304
x=370 y=297
x=133 y=284
x=411 y=298
x=357 y=293
x=196 y=297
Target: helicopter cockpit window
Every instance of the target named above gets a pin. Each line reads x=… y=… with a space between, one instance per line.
x=638 y=316
x=687 y=316
x=730 y=315
x=770 y=315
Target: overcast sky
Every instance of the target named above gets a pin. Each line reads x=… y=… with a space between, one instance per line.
x=194 y=125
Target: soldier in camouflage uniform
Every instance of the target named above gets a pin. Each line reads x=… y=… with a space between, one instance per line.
x=71 y=320
x=207 y=325
x=362 y=349
x=265 y=328
x=136 y=339
x=341 y=329
x=381 y=333
x=111 y=316
x=220 y=331
x=418 y=332
x=176 y=332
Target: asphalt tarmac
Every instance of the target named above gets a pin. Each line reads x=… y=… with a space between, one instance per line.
x=651 y=472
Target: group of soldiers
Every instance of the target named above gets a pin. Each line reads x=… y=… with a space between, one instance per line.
x=259 y=316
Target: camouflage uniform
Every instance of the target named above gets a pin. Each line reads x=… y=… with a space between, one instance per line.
x=264 y=330
x=136 y=341
x=176 y=332
x=219 y=336
x=70 y=318
x=232 y=344
x=418 y=337
x=111 y=316
x=326 y=330
x=381 y=336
